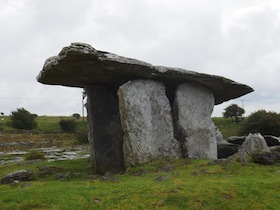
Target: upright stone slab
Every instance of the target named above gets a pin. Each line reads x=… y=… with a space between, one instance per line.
x=147 y=122
x=193 y=106
x=105 y=132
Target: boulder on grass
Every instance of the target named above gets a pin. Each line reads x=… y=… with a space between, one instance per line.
x=21 y=175
x=254 y=143
x=271 y=140
x=238 y=140
x=225 y=150
x=267 y=158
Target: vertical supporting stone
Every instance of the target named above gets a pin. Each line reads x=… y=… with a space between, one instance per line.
x=194 y=128
x=105 y=132
x=147 y=122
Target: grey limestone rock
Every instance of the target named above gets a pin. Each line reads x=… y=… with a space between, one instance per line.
x=272 y=140
x=21 y=175
x=253 y=143
x=194 y=128
x=226 y=149
x=238 y=140
x=80 y=64
x=147 y=122
x=219 y=135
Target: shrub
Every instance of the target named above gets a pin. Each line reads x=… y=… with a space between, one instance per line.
x=34 y=155
x=68 y=126
x=266 y=123
x=234 y=112
x=23 y=120
x=77 y=116
x=82 y=136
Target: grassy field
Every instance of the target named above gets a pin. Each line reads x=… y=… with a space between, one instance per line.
x=192 y=184
x=227 y=126
x=45 y=123
x=51 y=123
x=47 y=134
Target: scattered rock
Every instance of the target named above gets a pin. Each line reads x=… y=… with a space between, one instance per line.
x=271 y=140
x=48 y=170
x=160 y=203
x=219 y=135
x=139 y=173
x=226 y=149
x=253 y=143
x=167 y=168
x=275 y=148
x=21 y=175
x=59 y=176
x=96 y=200
x=110 y=178
x=25 y=185
x=239 y=140
x=217 y=162
x=161 y=178
x=15 y=183
x=266 y=158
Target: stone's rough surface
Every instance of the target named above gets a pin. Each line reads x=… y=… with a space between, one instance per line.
x=105 y=132
x=267 y=158
x=239 y=140
x=146 y=122
x=80 y=64
x=225 y=150
x=219 y=135
x=253 y=143
x=22 y=175
x=271 y=140
x=194 y=128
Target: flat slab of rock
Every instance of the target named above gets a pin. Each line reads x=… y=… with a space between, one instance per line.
x=147 y=122
x=194 y=128
x=80 y=64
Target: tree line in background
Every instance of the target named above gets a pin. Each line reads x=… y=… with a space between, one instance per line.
x=21 y=119
x=266 y=123
x=263 y=122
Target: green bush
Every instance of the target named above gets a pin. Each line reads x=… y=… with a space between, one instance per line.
x=76 y=115
x=82 y=136
x=266 y=123
x=69 y=126
x=23 y=120
x=34 y=155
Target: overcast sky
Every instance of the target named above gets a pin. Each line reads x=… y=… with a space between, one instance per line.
x=236 y=39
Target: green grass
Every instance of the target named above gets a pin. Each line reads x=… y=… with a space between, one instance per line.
x=191 y=185
x=51 y=123
x=227 y=126
x=45 y=123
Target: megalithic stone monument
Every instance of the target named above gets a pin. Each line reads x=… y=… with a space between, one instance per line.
x=138 y=112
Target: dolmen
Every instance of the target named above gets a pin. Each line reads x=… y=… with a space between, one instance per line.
x=138 y=112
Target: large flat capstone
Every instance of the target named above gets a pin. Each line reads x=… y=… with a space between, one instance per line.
x=79 y=65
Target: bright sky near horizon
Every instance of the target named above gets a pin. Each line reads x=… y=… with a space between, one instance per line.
x=237 y=39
